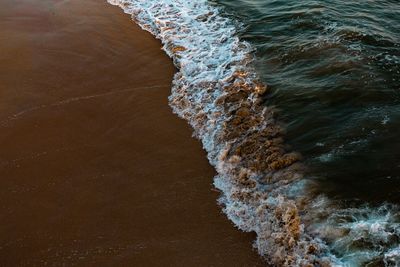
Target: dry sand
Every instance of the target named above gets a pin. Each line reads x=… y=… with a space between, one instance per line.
x=95 y=170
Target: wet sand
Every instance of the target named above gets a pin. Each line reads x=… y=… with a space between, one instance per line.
x=95 y=169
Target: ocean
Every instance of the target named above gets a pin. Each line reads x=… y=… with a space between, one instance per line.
x=297 y=105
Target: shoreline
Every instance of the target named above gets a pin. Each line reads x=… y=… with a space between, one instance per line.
x=90 y=159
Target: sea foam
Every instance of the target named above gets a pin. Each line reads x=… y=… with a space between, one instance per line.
x=263 y=190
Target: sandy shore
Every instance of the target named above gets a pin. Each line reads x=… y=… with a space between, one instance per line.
x=95 y=169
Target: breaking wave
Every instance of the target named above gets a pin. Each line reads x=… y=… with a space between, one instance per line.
x=262 y=181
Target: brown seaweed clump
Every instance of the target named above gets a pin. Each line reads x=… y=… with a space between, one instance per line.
x=178 y=49
x=259 y=167
x=253 y=130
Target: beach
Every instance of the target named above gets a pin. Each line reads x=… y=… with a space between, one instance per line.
x=95 y=168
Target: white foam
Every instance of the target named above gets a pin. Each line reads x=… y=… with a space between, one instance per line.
x=392 y=257
x=360 y=235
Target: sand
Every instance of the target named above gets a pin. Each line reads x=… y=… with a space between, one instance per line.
x=95 y=170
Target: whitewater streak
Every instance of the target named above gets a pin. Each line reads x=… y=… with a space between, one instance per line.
x=218 y=92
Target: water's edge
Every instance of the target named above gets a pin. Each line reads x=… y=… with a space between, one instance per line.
x=219 y=93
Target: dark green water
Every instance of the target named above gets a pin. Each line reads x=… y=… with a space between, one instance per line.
x=334 y=68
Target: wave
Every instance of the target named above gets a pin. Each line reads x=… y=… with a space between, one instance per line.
x=263 y=189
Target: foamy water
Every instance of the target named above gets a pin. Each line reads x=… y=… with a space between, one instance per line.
x=262 y=181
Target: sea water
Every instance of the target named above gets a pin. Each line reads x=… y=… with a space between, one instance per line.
x=297 y=105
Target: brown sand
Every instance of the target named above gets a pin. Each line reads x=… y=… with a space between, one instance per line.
x=95 y=170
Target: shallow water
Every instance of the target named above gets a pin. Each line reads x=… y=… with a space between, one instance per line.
x=334 y=67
